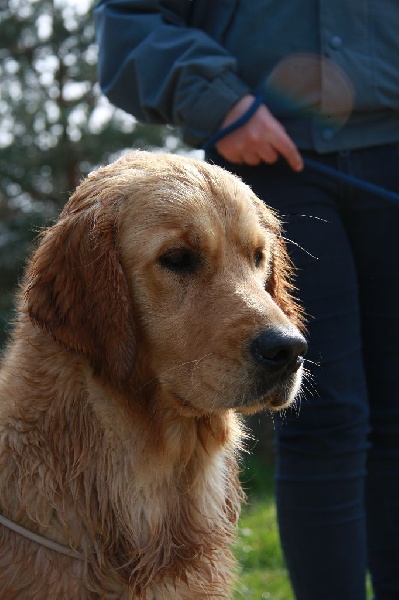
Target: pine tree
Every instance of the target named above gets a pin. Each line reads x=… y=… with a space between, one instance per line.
x=56 y=126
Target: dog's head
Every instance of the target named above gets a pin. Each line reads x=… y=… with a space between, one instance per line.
x=174 y=265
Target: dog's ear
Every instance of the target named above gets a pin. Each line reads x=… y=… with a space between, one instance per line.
x=280 y=282
x=280 y=285
x=77 y=292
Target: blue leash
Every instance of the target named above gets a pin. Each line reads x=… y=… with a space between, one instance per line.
x=370 y=188
x=376 y=190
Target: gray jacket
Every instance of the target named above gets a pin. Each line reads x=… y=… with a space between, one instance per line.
x=329 y=70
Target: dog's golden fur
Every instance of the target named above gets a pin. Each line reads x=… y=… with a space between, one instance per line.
x=122 y=380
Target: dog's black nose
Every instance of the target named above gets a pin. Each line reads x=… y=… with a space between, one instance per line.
x=279 y=349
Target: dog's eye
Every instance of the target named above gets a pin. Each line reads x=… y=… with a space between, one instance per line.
x=258 y=257
x=179 y=260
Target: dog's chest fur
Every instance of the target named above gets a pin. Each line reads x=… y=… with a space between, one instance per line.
x=145 y=510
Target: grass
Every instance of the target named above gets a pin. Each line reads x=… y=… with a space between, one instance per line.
x=262 y=571
x=262 y=575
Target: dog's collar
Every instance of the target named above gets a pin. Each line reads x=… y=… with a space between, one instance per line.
x=38 y=539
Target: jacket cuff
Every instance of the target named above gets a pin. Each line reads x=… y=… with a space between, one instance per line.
x=207 y=114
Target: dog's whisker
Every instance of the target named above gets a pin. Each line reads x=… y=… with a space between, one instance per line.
x=192 y=390
x=175 y=367
x=310 y=217
x=312 y=362
x=308 y=384
x=300 y=248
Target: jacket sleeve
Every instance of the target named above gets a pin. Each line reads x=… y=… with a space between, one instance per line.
x=162 y=71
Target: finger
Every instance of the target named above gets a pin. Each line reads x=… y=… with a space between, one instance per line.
x=231 y=148
x=228 y=153
x=268 y=154
x=252 y=159
x=283 y=144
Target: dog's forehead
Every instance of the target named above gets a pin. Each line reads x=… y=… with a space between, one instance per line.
x=195 y=203
x=206 y=213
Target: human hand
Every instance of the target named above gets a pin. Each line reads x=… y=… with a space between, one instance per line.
x=261 y=139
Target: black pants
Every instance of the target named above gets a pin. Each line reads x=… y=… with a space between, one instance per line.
x=338 y=449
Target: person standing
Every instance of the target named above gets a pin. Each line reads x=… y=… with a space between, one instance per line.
x=273 y=90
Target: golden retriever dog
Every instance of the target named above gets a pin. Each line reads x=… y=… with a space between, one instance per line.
x=155 y=310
